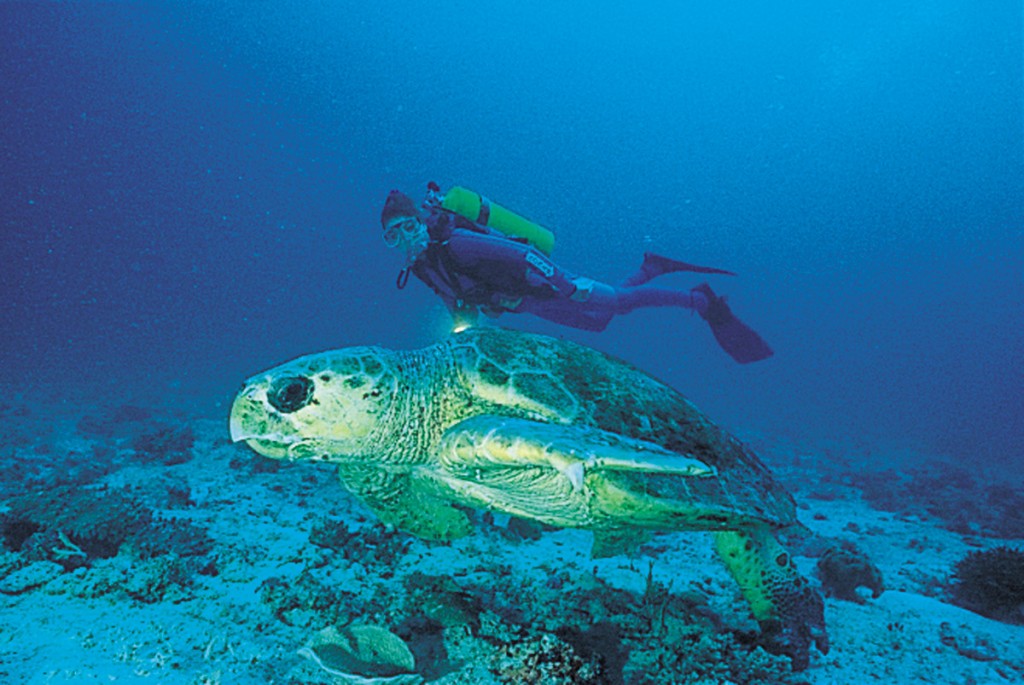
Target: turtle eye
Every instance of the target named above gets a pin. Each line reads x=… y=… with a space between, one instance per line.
x=290 y=394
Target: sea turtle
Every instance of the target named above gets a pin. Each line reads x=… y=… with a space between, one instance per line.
x=542 y=429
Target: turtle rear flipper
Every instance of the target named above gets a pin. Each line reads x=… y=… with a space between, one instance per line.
x=407 y=502
x=790 y=612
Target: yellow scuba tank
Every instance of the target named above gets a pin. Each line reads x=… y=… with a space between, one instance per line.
x=480 y=210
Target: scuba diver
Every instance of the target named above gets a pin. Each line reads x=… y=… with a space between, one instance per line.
x=478 y=256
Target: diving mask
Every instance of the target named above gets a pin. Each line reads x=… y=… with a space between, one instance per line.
x=408 y=233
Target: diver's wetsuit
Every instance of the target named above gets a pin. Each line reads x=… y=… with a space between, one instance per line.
x=471 y=266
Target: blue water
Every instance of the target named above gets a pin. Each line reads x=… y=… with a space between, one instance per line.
x=191 y=191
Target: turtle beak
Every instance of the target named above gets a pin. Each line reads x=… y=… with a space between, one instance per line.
x=242 y=409
x=237 y=432
x=248 y=424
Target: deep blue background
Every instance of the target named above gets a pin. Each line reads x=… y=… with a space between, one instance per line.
x=190 y=192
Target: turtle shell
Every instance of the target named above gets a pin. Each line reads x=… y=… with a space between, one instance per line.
x=547 y=379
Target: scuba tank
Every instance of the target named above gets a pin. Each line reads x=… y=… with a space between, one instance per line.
x=480 y=210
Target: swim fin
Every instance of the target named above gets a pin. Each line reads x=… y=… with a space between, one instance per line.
x=655 y=265
x=738 y=339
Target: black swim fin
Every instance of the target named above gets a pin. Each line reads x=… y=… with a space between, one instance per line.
x=738 y=339
x=655 y=265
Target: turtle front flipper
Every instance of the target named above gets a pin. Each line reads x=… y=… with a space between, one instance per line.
x=557 y=474
x=790 y=612
x=407 y=502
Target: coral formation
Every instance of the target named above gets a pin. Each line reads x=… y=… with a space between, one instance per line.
x=442 y=601
x=524 y=529
x=29 y=577
x=372 y=546
x=600 y=644
x=991 y=583
x=94 y=522
x=112 y=421
x=105 y=441
x=949 y=493
x=162 y=441
x=363 y=653
x=305 y=600
x=844 y=568
x=546 y=659
x=427 y=641
x=165 y=536
x=74 y=526
x=590 y=632
x=37 y=455
x=17 y=432
x=699 y=657
x=559 y=628
x=158 y=580
x=167 y=445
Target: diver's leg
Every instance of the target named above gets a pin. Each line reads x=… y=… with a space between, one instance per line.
x=625 y=300
x=738 y=340
x=567 y=312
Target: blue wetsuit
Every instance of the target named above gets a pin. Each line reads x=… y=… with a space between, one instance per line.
x=472 y=266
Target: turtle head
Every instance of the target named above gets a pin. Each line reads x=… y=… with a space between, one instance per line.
x=324 y=406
